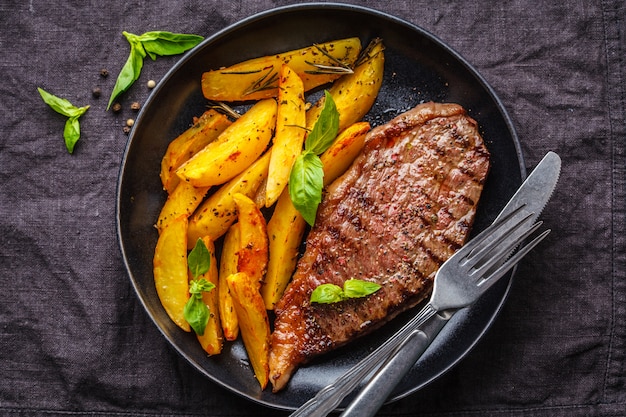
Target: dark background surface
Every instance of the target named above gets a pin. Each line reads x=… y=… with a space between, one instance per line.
x=75 y=340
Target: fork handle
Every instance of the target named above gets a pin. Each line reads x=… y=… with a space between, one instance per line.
x=377 y=390
x=329 y=397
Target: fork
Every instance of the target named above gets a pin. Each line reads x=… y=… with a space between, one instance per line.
x=459 y=282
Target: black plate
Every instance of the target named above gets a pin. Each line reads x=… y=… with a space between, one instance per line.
x=419 y=67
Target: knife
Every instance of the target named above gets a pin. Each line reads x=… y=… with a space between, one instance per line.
x=529 y=200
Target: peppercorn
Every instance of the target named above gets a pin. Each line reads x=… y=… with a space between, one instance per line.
x=135 y=106
x=130 y=122
x=104 y=73
x=116 y=107
x=96 y=92
x=126 y=130
x=151 y=84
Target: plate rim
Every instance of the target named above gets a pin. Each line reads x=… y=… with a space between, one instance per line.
x=239 y=25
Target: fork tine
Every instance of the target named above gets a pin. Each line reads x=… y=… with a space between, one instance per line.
x=504 y=235
x=498 y=251
x=490 y=231
x=513 y=260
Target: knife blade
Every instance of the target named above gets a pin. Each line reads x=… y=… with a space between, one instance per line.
x=529 y=200
x=536 y=190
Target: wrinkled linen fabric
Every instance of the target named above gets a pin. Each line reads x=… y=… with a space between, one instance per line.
x=75 y=340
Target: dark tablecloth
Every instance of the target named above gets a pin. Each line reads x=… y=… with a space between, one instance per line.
x=74 y=339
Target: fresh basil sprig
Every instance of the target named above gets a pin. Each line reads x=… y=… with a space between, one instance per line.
x=71 y=132
x=196 y=311
x=307 y=174
x=352 y=288
x=154 y=43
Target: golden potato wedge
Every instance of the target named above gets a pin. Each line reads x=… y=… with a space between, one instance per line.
x=257 y=78
x=254 y=323
x=212 y=339
x=218 y=212
x=235 y=149
x=290 y=133
x=204 y=131
x=253 y=244
x=285 y=230
x=170 y=270
x=228 y=266
x=183 y=201
x=354 y=94
x=344 y=149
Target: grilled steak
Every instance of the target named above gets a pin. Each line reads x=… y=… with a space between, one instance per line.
x=405 y=205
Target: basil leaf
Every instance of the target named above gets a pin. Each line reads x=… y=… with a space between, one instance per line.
x=130 y=71
x=306 y=181
x=168 y=43
x=58 y=104
x=197 y=314
x=196 y=311
x=325 y=129
x=152 y=43
x=199 y=259
x=356 y=288
x=352 y=288
x=71 y=131
x=327 y=294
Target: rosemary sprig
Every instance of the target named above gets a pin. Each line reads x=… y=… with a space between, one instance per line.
x=267 y=81
x=240 y=72
x=328 y=69
x=366 y=54
x=224 y=108
x=299 y=127
x=338 y=68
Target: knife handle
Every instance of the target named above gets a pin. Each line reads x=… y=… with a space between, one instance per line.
x=377 y=390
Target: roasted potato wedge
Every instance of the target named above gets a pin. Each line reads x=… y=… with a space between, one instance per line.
x=218 y=212
x=290 y=133
x=254 y=323
x=183 y=201
x=228 y=266
x=253 y=244
x=170 y=270
x=212 y=339
x=256 y=79
x=285 y=231
x=235 y=149
x=204 y=131
x=354 y=94
x=342 y=152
